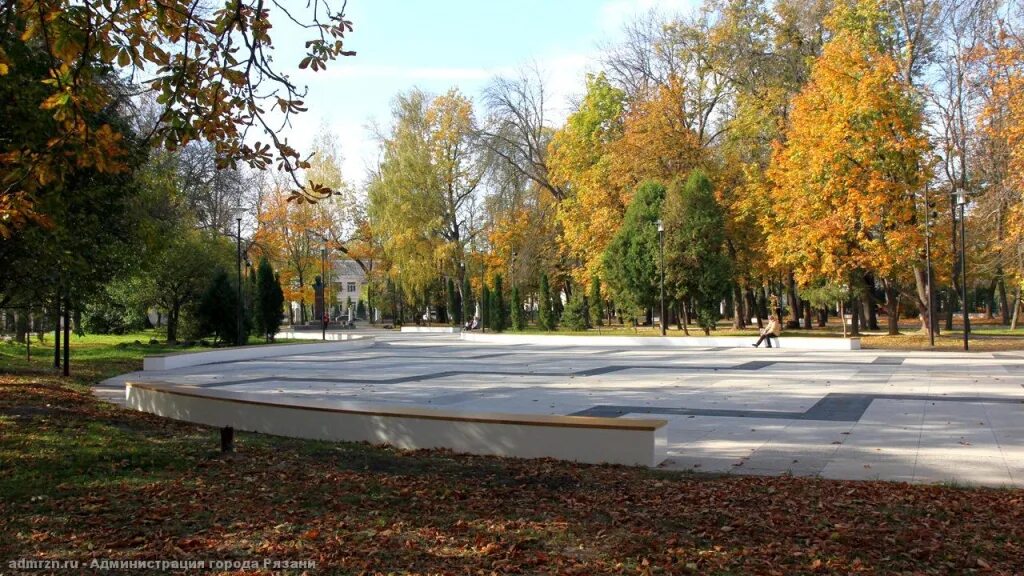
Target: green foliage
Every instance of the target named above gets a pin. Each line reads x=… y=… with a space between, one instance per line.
x=454 y=310
x=422 y=197
x=631 y=260
x=695 y=263
x=824 y=294
x=574 y=317
x=269 y=301
x=596 y=303
x=467 y=301
x=499 y=311
x=217 y=311
x=117 y=309
x=485 y=307
x=545 y=316
x=182 y=269
x=515 y=305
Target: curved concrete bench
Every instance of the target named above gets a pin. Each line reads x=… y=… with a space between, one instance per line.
x=578 y=438
x=185 y=359
x=790 y=343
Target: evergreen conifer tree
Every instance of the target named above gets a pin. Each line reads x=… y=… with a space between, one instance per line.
x=269 y=301
x=596 y=304
x=545 y=315
x=454 y=310
x=485 y=308
x=515 y=306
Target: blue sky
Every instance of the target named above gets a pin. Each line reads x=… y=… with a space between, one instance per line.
x=440 y=45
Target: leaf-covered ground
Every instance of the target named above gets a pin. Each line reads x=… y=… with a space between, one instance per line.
x=86 y=480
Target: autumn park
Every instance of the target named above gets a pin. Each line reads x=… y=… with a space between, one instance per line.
x=586 y=287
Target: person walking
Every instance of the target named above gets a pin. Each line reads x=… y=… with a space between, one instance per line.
x=774 y=328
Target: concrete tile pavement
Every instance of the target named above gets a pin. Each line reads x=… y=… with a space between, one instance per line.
x=905 y=416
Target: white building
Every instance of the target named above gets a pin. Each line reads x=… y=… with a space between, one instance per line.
x=348 y=281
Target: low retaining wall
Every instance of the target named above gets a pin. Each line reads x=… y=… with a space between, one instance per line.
x=576 y=438
x=432 y=329
x=185 y=359
x=794 y=343
x=317 y=335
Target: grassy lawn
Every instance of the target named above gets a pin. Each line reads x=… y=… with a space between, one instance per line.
x=82 y=479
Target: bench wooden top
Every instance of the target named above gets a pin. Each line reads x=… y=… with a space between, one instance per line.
x=369 y=409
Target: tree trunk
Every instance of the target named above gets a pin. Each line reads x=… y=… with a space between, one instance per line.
x=861 y=313
x=1004 y=305
x=67 y=339
x=951 y=299
x=855 y=311
x=794 y=304
x=924 y=299
x=686 y=317
x=754 y=308
x=172 y=324
x=56 y=335
x=869 y=304
x=740 y=318
x=21 y=328
x=1016 y=309
x=806 y=306
x=990 y=300
x=823 y=317
x=892 y=307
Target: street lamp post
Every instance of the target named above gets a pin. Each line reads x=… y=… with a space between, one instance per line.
x=661 y=251
x=323 y=293
x=961 y=200
x=928 y=266
x=238 y=269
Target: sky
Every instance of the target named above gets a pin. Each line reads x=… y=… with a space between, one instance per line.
x=437 y=46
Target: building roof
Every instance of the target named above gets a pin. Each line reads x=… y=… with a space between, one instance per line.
x=348 y=268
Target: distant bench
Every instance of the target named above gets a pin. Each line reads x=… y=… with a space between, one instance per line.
x=593 y=440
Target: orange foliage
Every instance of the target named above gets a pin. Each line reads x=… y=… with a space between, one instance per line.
x=289 y=235
x=657 y=142
x=843 y=186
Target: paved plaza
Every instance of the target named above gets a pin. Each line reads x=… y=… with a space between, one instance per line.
x=906 y=416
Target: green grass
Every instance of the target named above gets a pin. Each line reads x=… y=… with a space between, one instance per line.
x=95 y=356
x=83 y=479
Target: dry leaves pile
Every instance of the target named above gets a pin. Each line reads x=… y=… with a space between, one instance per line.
x=83 y=480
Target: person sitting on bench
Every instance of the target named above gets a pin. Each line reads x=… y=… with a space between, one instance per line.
x=774 y=328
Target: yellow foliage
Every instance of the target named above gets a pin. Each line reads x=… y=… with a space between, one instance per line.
x=842 y=195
